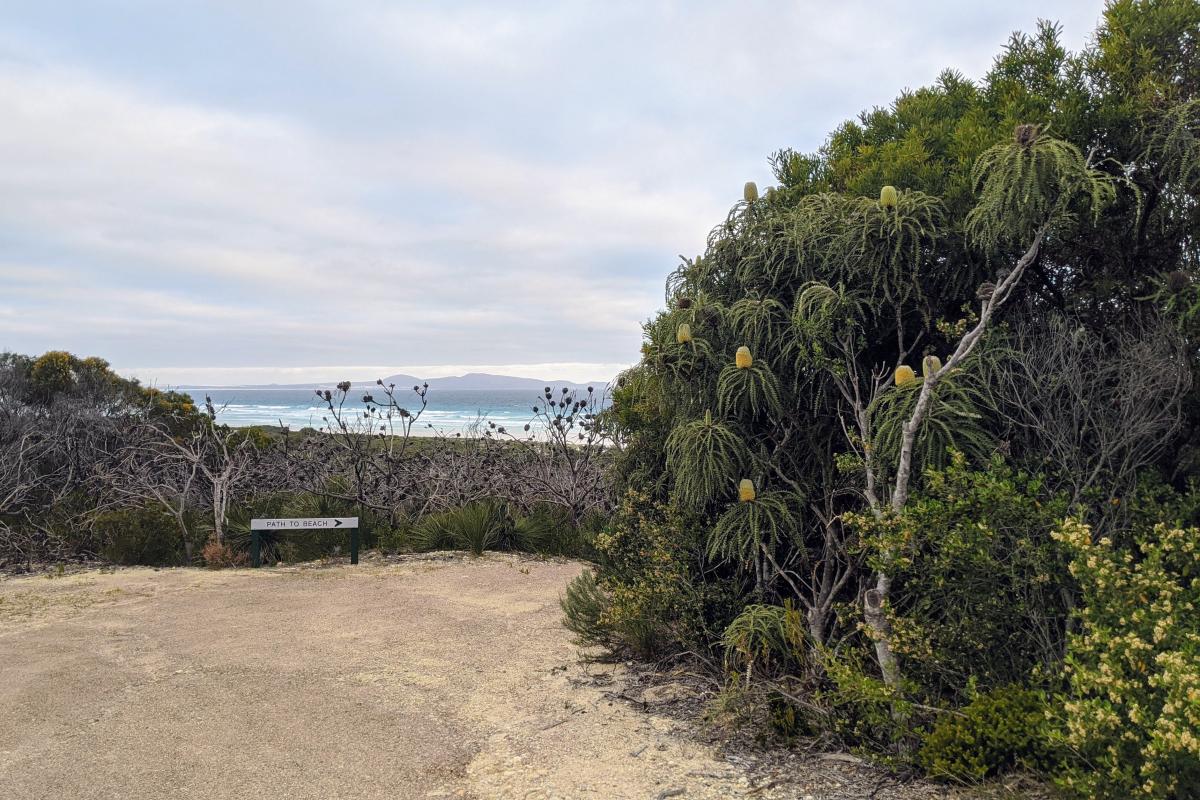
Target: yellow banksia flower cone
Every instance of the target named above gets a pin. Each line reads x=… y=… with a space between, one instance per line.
x=750 y=191
x=742 y=358
x=904 y=374
x=930 y=365
x=746 y=490
x=888 y=197
x=683 y=334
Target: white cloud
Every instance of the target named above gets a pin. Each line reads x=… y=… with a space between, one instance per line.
x=413 y=183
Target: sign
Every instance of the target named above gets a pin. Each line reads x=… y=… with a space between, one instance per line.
x=303 y=523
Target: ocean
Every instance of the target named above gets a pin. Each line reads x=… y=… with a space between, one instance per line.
x=449 y=410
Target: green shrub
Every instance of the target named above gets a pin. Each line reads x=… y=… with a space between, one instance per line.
x=1001 y=730
x=646 y=554
x=977 y=596
x=1132 y=716
x=147 y=536
x=764 y=638
x=583 y=605
x=394 y=538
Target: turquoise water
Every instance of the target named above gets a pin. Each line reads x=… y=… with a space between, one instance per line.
x=448 y=410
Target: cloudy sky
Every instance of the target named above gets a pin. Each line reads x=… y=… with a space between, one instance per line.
x=252 y=191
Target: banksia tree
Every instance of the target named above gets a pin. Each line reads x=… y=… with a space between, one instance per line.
x=876 y=253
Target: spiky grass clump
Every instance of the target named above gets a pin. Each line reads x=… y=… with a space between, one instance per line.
x=746 y=528
x=546 y=530
x=751 y=391
x=475 y=527
x=704 y=456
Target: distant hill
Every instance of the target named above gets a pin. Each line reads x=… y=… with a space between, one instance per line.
x=472 y=381
x=485 y=381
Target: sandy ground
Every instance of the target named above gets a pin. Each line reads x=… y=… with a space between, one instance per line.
x=425 y=679
x=432 y=678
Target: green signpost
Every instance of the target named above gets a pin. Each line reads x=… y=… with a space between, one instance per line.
x=301 y=524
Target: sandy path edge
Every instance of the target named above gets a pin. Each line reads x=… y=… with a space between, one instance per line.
x=436 y=676
x=449 y=678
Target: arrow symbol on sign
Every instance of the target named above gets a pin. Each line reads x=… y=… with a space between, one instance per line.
x=337 y=523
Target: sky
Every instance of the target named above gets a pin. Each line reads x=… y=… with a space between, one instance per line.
x=253 y=191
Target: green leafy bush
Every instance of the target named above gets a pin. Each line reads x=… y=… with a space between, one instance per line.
x=1132 y=715
x=646 y=557
x=977 y=597
x=1004 y=729
x=584 y=605
x=140 y=535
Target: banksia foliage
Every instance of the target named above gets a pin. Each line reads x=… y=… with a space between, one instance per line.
x=742 y=359
x=930 y=365
x=745 y=490
x=703 y=456
x=759 y=322
x=748 y=527
x=749 y=391
x=954 y=420
x=750 y=192
x=1175 y=143
x=888 y=197
x=683 y=334
x=904 y=375
x=1032 y=181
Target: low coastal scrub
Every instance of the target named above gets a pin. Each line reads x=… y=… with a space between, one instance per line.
x=95 y=466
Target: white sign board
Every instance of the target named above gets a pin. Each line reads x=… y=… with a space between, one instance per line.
x=303 y=523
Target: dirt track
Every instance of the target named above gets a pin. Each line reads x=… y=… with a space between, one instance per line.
x=419 y=679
